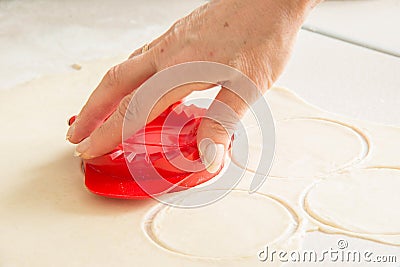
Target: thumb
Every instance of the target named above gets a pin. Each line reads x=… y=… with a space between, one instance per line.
x=214 y=141
x=217 y=127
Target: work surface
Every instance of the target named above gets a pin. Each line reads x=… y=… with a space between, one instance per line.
x=48 y=218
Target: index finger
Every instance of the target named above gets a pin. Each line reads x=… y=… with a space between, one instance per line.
x=118 y=82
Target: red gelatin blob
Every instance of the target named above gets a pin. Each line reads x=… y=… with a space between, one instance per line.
x=154 y=155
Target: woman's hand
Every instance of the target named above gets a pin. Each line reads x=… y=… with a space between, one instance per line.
x=253 y=36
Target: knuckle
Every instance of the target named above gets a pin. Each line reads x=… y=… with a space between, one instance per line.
x=155 y=55
x=260 y=71
x=135 y=53
x=177 y=25
x=129 y=108
x=214 y=127
x=113 y=76
x=123 y=107
x=99 y=132
x=162 y=53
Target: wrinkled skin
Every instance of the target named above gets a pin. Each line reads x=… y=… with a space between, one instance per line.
x=253 y=36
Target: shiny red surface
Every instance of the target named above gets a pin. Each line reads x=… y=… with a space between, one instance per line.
x=110 y=176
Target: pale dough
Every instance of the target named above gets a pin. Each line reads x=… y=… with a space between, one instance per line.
x=360 y=201
x=49 y=219
x=239 y=226
x=321 y=242
x=305 y=147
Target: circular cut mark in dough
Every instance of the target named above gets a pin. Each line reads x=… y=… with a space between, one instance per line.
x=238 y=225
x=361 y=201
x=305 y=147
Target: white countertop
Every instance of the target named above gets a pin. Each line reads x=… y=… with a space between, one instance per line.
x=45 y=36
x=370 y=23
x=344 y=78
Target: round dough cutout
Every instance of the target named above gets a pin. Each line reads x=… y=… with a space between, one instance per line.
x=236 y=226
x=305 y=147
x=362 y=201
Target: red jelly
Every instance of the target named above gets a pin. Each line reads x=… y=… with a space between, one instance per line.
x=149 y=162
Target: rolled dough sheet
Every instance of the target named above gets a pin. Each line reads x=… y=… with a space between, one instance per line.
x=236 y=216
x=369 y=253
x=361 y=202
x=351 y=166
x=50 y=219
x=304 y=135
x=305 y=147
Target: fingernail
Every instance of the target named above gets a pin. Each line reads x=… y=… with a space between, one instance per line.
x=82 y=148
x=212 y=155
x=70 y=131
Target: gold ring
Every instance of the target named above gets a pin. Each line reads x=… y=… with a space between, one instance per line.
x=145 y=48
